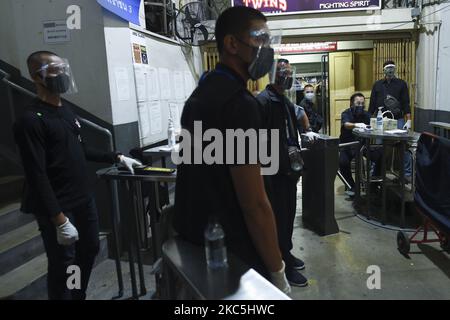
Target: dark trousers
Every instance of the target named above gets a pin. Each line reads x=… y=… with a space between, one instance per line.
x=345 y=159
x=283 y=197
x=81 y=254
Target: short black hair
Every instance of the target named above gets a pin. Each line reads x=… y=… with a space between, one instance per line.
x=355 y=95
x=388 y=62
x=234 y=21
x=282 y=60
x=35 y=58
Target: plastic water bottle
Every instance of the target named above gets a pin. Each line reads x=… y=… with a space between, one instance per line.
x=216 y=251
x=171 y=134
x=380 y=119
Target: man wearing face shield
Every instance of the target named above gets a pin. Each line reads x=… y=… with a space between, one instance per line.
x=281 y=114
x=392 y=94
x=57 y=189
x=233 y=193
x=315 y=120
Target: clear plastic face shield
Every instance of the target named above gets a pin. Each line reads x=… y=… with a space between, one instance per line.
x=263 y=41
x=58 y=77
x=389 y=70
x=284 y=75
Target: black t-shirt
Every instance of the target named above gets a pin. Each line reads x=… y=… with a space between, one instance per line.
x=54 y=159
x=397 y=88
x=349 y=116
x=275 y=108
x=221 y=101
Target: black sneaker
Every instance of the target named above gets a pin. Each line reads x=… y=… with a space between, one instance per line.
x=295 y=263
x=295 y=278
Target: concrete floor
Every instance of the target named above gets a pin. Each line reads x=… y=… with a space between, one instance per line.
x=336 y=265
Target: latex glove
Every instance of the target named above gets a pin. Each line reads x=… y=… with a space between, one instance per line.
x=360 y=125
x=129 y=163
x=279 y=280
x=407 y=125
x=312 y=136
x=66 y=234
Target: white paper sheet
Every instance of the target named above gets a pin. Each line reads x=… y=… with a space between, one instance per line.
x=175 y=115
x=141 y=82
x=164 y=83
x=155 y=117
x=178 y=81
x=144 y=122
x=188 y=84
x=152 y=83
x=122 y=83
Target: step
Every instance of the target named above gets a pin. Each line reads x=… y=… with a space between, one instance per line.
x=20 y=246
x=11 y=217
x=29 y=277
x=11 y=188
x=29 y=281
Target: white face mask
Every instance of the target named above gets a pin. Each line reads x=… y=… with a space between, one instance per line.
x=309 y=96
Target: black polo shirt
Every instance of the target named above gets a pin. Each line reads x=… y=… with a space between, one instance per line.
x=397 y=88
x=54 y=159
x=349 y=116
x=275 y=106
x=221 y=102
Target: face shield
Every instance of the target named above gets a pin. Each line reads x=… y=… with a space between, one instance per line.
x=262 y=41
x=58 y=77
x=389 y=70
x=285 y=75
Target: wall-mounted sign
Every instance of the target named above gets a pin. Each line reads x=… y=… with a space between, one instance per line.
x=56 y=32
x=276 y=7
x=295 y=48
x=126 y=9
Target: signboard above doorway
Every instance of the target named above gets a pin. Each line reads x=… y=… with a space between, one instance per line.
x=278 y=7
x=311 y=47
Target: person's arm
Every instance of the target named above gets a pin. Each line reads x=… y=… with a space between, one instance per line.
x=30 y=138
x=249 y=187
x=405 y=102
x=96 y=155
x=373 y=100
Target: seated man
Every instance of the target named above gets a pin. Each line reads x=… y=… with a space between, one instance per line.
x=353 y=117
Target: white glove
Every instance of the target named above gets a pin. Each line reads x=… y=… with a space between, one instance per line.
x=66 y=234
x=312 y=136
x=360 y=125
x=129 y=163
x=407 y=125
x=279 y=280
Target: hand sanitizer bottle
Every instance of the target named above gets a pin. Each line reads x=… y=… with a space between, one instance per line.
x=380 y=119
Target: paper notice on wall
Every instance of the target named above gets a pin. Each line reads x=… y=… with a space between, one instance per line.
x=175 y=115
x=141 y=82
x=164 y=83
x=122 y=84
x=178 y=82
x=144 y=55
x=155 y=117
x=137 y=53
x=188 y=84
x=144 y=120
x=56 y=31
x=152 y=83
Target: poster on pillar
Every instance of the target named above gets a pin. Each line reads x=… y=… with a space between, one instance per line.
x=126 y=9
x=279 y=7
